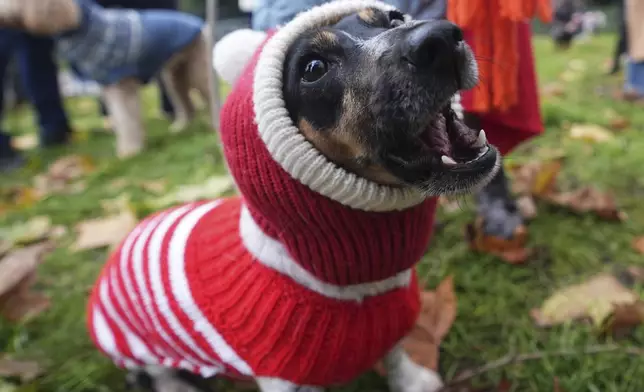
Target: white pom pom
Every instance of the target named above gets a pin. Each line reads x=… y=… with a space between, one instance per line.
x=231 y=53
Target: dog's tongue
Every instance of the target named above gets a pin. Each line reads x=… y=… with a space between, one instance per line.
x=436 y=137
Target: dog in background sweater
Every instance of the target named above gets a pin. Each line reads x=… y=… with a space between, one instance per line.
x=340 y=132
x=123 y=49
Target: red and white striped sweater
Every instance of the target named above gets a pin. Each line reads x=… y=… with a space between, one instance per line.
x=307 y=277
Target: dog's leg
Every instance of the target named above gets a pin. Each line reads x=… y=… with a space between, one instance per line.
x=124 y=107
x=200 y=72
x=267 y=384
x=156 y=379
x=176 y=79
x=404 y=375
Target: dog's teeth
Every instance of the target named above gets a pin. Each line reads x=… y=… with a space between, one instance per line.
x=448 y=161
x=481 y=141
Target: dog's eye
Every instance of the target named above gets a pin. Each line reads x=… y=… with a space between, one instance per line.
x=314 y=70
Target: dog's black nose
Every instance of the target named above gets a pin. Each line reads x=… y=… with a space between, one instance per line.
x=432 y=44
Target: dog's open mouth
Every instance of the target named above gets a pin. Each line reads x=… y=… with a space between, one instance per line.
x=450 y=139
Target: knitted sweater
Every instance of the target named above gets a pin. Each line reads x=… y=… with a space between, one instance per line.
x=113 y=44
x=307 y=277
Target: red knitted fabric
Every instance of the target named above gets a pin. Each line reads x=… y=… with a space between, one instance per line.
x=278 y=327
x=335 y=243
x=282 y=282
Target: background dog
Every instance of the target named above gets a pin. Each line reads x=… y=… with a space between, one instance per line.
x=122 y=50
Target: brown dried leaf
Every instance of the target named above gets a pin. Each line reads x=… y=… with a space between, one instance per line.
x=588 y=199
x=624 y=318
x=511 y=250
x=63 y=175
x=536 y=178
x=595 y=299
x=17 y=275
x=554 y=89
x=437 y=314
x=638 y=244
x=24 y=370
x=104 y=232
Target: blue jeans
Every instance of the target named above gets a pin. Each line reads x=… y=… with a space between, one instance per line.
x=39 y=75
x=635 y=76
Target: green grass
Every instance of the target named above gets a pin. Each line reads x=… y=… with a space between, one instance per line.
x=494 y=297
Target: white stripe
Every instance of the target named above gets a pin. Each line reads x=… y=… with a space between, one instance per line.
x=139 y=350
x=274 y=255
x=154 y=260
x=181 y=290
x=160 y=296
x=104 y=335
x=136 y=258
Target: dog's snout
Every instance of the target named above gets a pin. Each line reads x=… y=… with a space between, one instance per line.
x=432 y=43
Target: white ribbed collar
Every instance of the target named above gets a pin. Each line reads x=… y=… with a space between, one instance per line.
x=288 y=146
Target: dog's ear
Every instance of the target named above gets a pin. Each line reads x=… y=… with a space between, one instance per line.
x=231 y=53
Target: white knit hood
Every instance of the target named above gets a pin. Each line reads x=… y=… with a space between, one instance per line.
x=285 y=143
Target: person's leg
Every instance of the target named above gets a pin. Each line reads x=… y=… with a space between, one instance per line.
x=622 y=41
x=40 y=77
x=9 y=158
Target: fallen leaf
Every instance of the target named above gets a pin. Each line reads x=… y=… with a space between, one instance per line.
x=527 y=207
x=591 y=133
x=616 y=122
x=155 y=186
x=553 y=89
x=595 y=299
x=588 y=199
x=18 y=197
x=17 y=275
x=578 y=65
x=118 y=204
x=64 y=175
x=624 y=318
x=437 y=314
x=104 y=232
x=34 y=230
x=25 y=142
x=536 y=178
x=638 y=244
x=24 y=370
x=511 y=250
x=118 y=184
x=212 y=187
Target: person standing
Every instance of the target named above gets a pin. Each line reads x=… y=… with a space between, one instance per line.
x=39 y=74
x=506 y=103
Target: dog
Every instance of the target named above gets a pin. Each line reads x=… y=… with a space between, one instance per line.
x=123 y=49
x=339 y=133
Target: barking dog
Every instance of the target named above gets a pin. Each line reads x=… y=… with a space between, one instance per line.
x=121 y=50
x=338 y=133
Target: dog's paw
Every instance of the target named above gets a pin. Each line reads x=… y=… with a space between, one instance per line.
x=124 y=152
x=425 y=380
x=178 y=126
x=411 y=377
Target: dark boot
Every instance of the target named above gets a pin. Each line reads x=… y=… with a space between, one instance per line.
x=497 y=207
x=494 y=203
